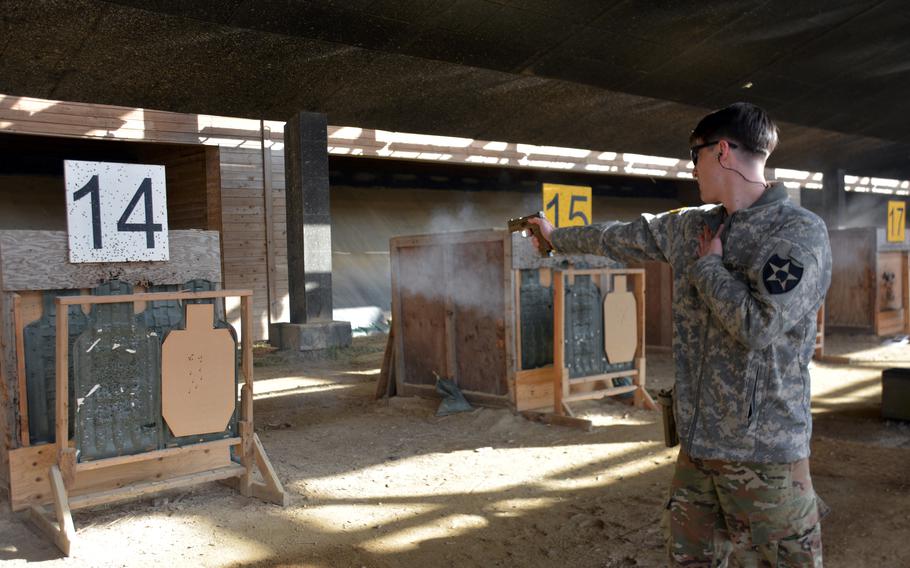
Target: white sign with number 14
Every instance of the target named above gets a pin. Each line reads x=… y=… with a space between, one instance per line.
x=115 y=212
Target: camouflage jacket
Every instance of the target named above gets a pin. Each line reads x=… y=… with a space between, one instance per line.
x=744 y=324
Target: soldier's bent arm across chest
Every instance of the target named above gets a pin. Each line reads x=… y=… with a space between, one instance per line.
x=786 y=282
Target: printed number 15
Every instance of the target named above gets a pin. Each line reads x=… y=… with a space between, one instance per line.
x=573 y=214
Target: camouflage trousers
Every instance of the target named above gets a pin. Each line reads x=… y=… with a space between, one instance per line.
x=723 y=514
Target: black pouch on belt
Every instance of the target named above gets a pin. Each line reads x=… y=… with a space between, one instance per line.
x=665 y=399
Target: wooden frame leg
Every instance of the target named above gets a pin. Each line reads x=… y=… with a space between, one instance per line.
x=640 y=395
x=271 y=491
x=63 y=532
x=246 y=458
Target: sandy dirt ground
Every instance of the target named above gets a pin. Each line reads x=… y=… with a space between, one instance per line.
x=388 y=484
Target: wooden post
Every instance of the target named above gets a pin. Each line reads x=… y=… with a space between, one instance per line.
x=641 y=397
x=66 y=456
x=509 y=318
x=246 y=347
x=24 y=438
x=268 y=206
x=559 y=348
x=516 y=295
x=247 y=457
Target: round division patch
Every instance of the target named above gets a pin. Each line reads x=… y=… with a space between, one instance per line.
x=781 y=275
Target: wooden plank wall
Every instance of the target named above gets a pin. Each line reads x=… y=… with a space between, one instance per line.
x=188 y=199
x=243 y=230
x=281 y=306
x=851 y=298
x=237 y=140
x=278 y=264
x=478 y=291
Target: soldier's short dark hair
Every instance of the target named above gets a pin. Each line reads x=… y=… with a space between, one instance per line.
x=744 y=123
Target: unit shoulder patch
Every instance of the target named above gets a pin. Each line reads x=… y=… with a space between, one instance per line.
x=781 y=275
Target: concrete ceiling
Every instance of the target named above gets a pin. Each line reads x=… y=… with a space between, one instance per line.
x=628 y=76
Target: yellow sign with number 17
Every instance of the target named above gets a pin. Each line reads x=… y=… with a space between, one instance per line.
x=897 y=221
x=567 y=205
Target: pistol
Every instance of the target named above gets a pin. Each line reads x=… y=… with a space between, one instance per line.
x=523 y=224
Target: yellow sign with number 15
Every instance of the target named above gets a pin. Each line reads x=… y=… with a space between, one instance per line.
x=567 y=205
x=897 y=221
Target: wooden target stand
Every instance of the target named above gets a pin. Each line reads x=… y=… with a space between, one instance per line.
x=624 y=339
x=76 y=485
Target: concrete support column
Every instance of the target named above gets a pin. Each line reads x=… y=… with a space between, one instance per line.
x=834 y=199
x=309 y=230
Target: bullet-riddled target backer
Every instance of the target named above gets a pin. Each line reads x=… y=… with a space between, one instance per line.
x=115 y=212
x=198 y=392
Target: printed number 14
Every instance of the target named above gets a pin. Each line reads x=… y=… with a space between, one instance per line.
x=149 y=227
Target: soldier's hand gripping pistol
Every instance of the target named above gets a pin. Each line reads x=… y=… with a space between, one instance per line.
x=524 y=225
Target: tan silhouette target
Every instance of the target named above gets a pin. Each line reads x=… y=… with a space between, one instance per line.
x=620 y=323
x=197 y=375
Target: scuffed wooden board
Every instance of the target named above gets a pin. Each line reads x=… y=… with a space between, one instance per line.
x=891 y=322
x=198 y=392
x=891 y=262
x=423 y=320
x=479 y=314
x=534 y=389
x=851 y=296
x=30 y=485
x=26 y=255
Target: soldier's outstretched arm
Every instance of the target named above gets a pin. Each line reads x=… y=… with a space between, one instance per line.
x=650 y=237
x=787 y=281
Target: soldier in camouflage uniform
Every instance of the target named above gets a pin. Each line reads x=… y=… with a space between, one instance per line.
x=750 y=271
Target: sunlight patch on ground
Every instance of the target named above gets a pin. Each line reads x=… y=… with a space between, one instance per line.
x=450 y=526
x=191 y=535
x=869 y=348
x=366 y=516
x=627 y=419
x=366 y=372
x=425 y=512
x=552 y=472
x=860 y=394
x=280 y=386
x=845 y=380
x=656 y=456
x=519 y=507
